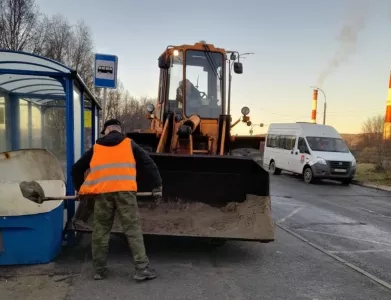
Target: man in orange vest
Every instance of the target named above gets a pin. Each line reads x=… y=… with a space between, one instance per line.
x=112 y=184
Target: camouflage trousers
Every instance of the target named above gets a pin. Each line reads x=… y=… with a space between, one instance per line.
x=105 y=207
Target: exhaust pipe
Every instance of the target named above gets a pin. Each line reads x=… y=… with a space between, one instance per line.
x=387 y=119
x=314 y=106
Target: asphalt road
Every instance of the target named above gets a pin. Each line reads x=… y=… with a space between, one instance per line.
x=351 y=222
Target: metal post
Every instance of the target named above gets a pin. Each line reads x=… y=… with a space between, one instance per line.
x=324 y=112
x=104 y=106
x=70 y=155
x=324 y=105
x=30 y=123
x=42 y=110
x=93 y=125
x=229 y=88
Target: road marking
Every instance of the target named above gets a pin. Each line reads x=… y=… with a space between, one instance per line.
x=341 y=260
x=290 y=215
x=361 y=251
x=285 y=203
x=375 y=213
x=345 y=236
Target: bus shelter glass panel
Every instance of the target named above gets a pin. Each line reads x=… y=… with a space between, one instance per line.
x=52 y=127
x=87 y=125
x=3 y=139
x=96 y=123
x=77 y=129
x=30 y=124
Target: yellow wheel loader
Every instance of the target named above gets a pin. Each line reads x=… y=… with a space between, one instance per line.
x=211 y=187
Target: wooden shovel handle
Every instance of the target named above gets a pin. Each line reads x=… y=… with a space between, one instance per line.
x=143 y=194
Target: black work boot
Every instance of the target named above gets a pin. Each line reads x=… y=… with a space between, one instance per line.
x=143 y=274
x=99 y=275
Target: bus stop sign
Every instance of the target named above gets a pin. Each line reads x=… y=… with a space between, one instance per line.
x=105 y=74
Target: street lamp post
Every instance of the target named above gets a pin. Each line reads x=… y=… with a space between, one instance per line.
x=325 y=103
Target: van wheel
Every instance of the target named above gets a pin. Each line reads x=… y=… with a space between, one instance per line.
x=308 y=176
x=347 y=181
x=273 y=169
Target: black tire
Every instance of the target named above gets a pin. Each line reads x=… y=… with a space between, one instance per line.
x=273 y=169
x=347 y=181
x=216 y=243
x=308 y=176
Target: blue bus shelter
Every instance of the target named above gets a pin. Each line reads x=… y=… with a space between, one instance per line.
x=45 y=104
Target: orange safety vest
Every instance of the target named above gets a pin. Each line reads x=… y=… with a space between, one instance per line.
x=112 y=169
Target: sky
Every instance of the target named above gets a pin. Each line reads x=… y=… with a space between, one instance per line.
x=296 y=44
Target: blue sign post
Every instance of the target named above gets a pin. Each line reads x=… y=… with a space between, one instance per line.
x=105 y=76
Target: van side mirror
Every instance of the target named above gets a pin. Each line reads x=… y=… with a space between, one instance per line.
x=302 y=149
x=238 y=68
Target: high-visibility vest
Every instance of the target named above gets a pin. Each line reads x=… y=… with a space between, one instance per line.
x=112 y=169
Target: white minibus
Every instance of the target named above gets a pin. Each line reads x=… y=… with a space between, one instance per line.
x=312 y=150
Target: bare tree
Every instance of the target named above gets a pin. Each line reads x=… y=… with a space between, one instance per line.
x=129 y=110
x=372 y=130
x=18 y=20
x=80 y=52
x=56 y=44
x=372 y=140
x=41 y=34
x=22 y=27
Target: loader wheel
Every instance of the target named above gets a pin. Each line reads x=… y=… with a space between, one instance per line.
x=273 y=169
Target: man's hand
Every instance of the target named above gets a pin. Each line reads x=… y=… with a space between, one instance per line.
x=157 y=193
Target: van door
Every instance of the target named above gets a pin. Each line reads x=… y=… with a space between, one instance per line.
x=299 y=159
x=292 y=152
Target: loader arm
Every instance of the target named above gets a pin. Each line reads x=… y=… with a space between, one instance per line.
x=163 y=137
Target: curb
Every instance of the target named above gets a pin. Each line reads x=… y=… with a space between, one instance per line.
x=372 y=186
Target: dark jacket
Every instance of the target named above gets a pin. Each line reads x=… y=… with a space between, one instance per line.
x=144 y=163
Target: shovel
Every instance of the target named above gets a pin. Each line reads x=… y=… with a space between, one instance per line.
x=33 y=191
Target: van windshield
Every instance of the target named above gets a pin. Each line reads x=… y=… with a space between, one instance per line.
x=327 y=144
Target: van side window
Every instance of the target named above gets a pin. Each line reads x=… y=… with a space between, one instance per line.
x=290 y=142
x=286 y=142
x=272 y=141
x=302 y=143
x=281 y=143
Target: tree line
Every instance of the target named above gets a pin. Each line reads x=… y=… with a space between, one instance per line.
x=370 y=146
x=24 y=28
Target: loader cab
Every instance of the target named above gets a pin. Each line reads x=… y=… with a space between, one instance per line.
x=192 y=81
x=190 y=115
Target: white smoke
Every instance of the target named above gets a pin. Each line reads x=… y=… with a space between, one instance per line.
x=358 y=13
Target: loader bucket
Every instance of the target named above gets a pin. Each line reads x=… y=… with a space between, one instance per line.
x=205 y=196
